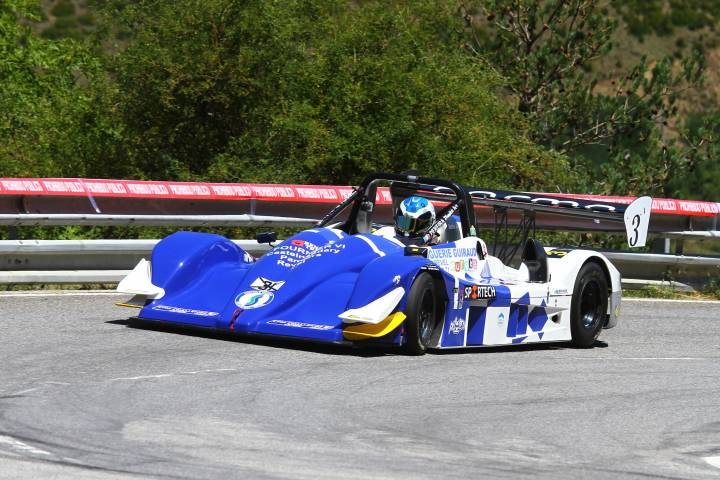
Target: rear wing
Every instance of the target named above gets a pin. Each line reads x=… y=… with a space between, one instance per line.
x=635 y=216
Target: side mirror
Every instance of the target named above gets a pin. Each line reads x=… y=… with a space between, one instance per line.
x=266 y=237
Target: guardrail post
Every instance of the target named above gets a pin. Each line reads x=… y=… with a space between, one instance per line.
x=661 y=245
x=12 y=233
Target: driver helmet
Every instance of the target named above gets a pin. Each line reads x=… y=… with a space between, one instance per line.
x=414 y=216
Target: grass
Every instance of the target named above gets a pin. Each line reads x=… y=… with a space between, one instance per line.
x=708 y=293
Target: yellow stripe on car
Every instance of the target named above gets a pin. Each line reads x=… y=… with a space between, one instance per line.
x=365 y=331
x=128 y=305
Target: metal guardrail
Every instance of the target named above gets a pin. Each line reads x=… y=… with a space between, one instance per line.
x=108 y=261
x=692 y=234
x=50 y=219
x=89 y=247
x=82 y=277
x=47 y=258
x=652 y=268
x=38 y=202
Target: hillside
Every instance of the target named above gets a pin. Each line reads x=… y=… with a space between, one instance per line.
x=643 y=30
x=221 y=89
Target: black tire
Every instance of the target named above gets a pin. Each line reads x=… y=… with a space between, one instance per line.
x=421 y=311
x=588 y=309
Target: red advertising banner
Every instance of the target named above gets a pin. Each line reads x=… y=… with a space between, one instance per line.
x=71 y=187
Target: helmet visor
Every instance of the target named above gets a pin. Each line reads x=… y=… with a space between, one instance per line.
x=413 y=225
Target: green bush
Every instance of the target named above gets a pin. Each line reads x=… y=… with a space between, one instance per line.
x=66 y=23
x=315 y=91
x=86 y=19
x=64 y=8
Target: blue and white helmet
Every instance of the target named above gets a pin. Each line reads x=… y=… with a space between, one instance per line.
x=414 y=216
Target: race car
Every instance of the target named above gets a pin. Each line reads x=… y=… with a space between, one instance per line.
x=350 y=280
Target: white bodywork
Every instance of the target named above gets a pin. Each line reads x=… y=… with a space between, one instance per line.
x=375 y=311
x=139 y=282
x=462 y=261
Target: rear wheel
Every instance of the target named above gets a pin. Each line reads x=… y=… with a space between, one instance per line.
x=589 y=305
x=421 y=315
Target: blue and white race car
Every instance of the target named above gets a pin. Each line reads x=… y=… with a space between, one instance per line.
x=353 y=280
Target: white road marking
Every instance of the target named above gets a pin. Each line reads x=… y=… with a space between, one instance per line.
x=166 y=375
x=638 y=358
x=142 y=377
x=62 y=293
x=19 y=446
x=714 y=461
x=661 y=358
x=27 y=390
x=669 y=300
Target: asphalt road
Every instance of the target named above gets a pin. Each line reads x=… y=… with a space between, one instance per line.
x=83 y=395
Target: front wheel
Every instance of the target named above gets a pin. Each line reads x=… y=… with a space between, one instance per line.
x=422 y=315
x=589 y=305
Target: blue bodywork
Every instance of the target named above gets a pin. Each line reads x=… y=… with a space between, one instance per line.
x=299 y=288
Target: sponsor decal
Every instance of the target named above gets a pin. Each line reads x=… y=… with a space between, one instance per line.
x=292 y=254
x=501 y=318
x=558 y=252
x=455 y=259
x=254 y=299
x=440 y=253
x=560 y=291
x=396 y=279
x=331 y=248
x=185 y=311
x=466 y=265
x=262 y=283
x=311 y=326
x=299 y=243
x=478 y=292
x=457 y=325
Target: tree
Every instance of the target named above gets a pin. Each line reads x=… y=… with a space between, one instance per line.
x=702 y=133
x=661 y=17
x=49 y=122
x=613 y=129
x=314 y=91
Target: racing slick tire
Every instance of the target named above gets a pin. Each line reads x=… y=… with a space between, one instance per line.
x=589 y=305
x=422 y=315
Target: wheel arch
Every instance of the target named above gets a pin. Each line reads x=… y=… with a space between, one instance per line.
x=564 y=270
x=441 y=302
x=440 y=289
x=614 y=288
x=604 y=267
